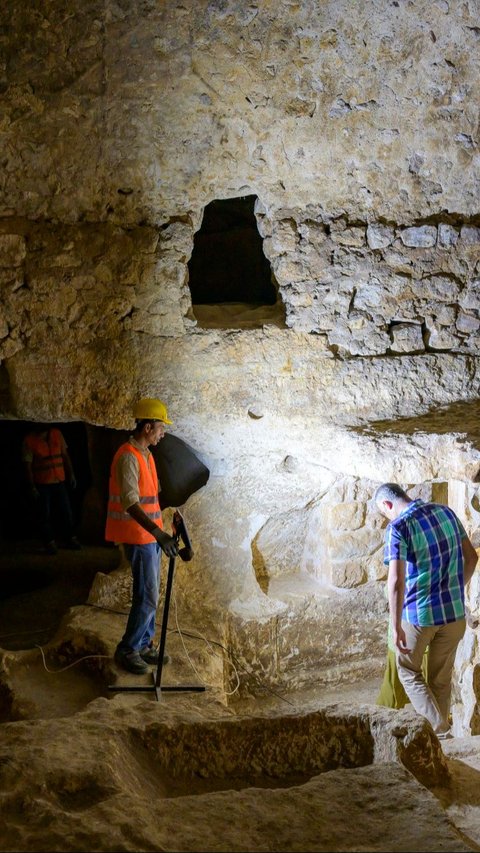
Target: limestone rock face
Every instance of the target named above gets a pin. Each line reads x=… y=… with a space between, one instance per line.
x=119 y=128
x=391 y=293
x=127 y=111
x=357 y=136
x=183 y=778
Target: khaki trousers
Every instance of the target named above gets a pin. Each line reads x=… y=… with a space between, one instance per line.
x=430 y=698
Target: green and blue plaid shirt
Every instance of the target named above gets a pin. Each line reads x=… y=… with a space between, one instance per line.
x=429 y=537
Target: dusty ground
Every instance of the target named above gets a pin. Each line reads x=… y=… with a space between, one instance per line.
x=36 y=589
x=70 y=717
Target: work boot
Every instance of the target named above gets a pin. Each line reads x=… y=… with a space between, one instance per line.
x=445 y=735
x=150 y=654
x=131 y=661
x=51 y=547
x=74 y=544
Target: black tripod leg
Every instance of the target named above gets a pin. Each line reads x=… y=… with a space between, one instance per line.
x=163 y=634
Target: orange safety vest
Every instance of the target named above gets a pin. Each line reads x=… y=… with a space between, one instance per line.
x=120 y=526
x=47 y=462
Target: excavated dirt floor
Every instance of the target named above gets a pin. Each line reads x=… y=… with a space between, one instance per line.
x=29 y=619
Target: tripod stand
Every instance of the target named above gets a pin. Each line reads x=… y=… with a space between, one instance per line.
x=186 y=554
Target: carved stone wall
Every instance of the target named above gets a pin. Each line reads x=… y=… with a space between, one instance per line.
x=134 y=110
x=372 y=288
x=121 y=120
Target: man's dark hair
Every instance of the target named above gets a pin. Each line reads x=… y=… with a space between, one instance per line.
x=139 y=424
x=390 y=492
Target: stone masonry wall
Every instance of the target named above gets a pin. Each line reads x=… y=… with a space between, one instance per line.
x=356 y=126
x=374 y=288
x=90 y=282
x=365 y=290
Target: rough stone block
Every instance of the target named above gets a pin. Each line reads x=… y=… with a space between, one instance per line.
x=158 y=325
x=346 y=575
x=400 y=261
x=467 y=323
x=379 y=236
x=313 y=233
x=470 y=234
x=3 y=327
x=344 y=516
x=12 y=250
x=352 y=545
x=406 y=337
x=436 y=287
x=445 y=315
x=420 y=237
x=447 y=235
x=377 y=570
x=470 y=297
x=364 y=339
x=352 y=236
x=289 y=268
x=440 y=337
x=284 y=237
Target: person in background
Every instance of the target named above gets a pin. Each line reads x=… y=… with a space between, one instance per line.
x=392 y=692
x=134 y=519
x=430 y=560
x=48 y=468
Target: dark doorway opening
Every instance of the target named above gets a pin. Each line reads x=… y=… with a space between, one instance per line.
x=230 y=278
x=16 y=517
x=36 y=588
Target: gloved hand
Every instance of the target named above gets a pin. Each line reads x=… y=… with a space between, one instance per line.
x=186 y=554
x=167 y=543
x=34 y=493
x=73 y=482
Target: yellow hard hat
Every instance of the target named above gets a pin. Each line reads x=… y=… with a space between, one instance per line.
x=150 y=409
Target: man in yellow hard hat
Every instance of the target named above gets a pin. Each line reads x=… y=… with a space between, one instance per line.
x=134 y=519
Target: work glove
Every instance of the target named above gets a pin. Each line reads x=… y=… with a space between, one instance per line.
x=73 y=482
x=34 y=493
x=167 y=543
x=186 y=554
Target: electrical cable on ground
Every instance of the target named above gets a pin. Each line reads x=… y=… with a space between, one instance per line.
x=107 y=609
x=74 y=663
x=233 y=662
x=212 y=651
x=230 y=657
x=236 y=662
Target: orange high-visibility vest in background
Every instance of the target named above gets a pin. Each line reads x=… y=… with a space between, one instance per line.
x=120 y=526
x=47 y=457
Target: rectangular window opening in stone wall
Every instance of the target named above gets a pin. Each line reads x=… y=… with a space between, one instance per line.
x=231 y=281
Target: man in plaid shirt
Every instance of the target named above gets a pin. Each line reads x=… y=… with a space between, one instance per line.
x=430 y=559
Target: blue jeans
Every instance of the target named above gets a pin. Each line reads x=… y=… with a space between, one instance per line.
x=54 y=510
x=145 y=564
